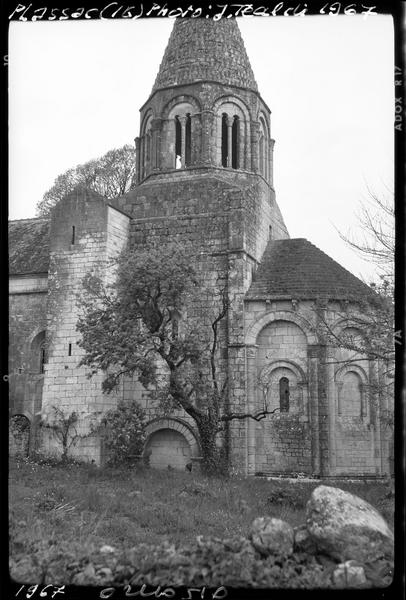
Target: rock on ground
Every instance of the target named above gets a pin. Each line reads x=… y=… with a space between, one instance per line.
x=346 y=527
x=303 y=541
x=349 y=574
x=272 y=536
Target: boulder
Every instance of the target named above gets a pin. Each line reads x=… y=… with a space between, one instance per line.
x=303 y=541
x=346 y=527
x=272 y=536
x=349 y=574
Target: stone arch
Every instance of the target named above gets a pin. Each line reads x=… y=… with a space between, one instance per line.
x=340 y=372
x=170 y=442
x=192 y=101
x=38 y=352
x=232 y=132
x=272 y=373
x=145 y=149
x=34 y=333
x=181 y=109
x=347 y=355
x=263 y=146
x=223 y=100
x=346 y=377
x=288 y=364
x=22 y=413
x=146 y=121
x=280 y=315
x=180 y=135
x=342 y=323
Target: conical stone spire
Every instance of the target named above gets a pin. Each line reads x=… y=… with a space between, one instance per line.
x=205 y=50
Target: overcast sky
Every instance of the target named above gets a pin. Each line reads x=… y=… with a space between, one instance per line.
x=76 y=88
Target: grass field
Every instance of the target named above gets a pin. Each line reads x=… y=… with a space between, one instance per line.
x=81 y=508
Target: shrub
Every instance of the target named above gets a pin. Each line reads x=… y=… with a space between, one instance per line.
x=295 y=497
x=50 y=497
x=124 y=432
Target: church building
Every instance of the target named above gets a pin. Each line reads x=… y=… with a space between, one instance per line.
x=204 y=177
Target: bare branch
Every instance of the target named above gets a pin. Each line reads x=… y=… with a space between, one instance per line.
x=256 y=417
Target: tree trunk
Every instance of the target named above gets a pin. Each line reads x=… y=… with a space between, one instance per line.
x=213 y=460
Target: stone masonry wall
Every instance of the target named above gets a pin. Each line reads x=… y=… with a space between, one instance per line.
x=340 y=431
x=220 y=221
x=283 y=440
x=356 y=424
x=27 y=319
x=100 y=232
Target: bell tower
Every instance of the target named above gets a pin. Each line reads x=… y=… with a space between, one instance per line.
x=204 y=109
x=204 y=178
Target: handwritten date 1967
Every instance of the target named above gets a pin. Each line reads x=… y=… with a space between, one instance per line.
x=47 y=591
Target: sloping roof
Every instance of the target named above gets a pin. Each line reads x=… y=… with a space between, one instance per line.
x=205 y=50
x=28 y=241
x=295 y=268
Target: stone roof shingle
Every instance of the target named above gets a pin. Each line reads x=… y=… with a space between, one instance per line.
x=295 y=268
x=205 y=50
x=28 y=241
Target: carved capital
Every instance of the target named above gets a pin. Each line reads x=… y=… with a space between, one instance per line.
x=251 y=352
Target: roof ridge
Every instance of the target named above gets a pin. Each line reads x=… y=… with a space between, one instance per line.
x=26 y=219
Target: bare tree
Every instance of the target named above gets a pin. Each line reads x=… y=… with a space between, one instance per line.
x=374 y=239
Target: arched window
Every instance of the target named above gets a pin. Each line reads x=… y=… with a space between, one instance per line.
x=177 y=136
x=178 y=143
x=38 y=353
x=351 y=399
x=230 y=141
x=284 y=394
x=43 y=359
x=148 y=153
x=261 y=156
x=263 y=147
x=188 y=140
x=146 y=147
x=235 y=142
x=224 y=140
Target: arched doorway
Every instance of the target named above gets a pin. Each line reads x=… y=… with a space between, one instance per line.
x=167 y=447
x=170 y=442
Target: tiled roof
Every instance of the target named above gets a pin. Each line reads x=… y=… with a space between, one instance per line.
x=205 y=50
x=295 y=268
x=28 y=241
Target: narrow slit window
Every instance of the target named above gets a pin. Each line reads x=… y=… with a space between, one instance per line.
x=235 y=143
x=70 y=350
x=284 y=394
x=270 y=232
x=178 y=143
x=224 y=141
x=261 y=155
x=73 y=235
x=42 y=360
x=188 y=140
